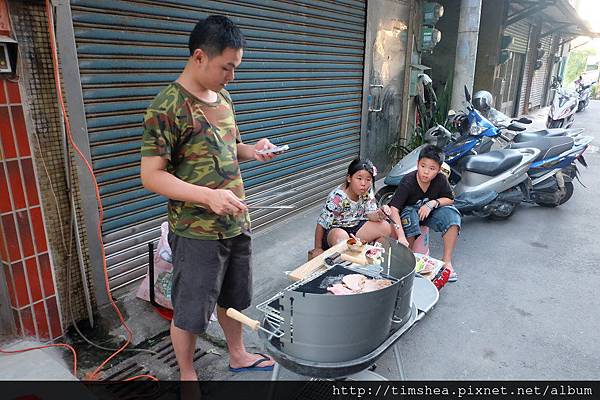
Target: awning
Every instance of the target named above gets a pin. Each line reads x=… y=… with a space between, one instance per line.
x=558 y=16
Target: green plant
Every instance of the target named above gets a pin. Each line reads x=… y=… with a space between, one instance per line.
x=443 y=103
x=404 y=146
x=576 y=64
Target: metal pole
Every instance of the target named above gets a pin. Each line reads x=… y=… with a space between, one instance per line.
x=466 y=50
x=65 y=38
x=74 y=222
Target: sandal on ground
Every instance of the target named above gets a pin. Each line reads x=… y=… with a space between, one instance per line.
x=254 y=366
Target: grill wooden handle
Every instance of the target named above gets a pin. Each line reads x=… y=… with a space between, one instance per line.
x=238 y=316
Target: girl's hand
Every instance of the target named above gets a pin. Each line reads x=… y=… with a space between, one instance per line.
x=375 y=216
x=315 y=252
x=403 y=241
x=386 y=210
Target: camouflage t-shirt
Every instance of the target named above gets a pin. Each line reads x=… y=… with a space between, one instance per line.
x=199 y=140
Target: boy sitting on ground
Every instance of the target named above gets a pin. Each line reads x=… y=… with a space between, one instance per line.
x=424 y=197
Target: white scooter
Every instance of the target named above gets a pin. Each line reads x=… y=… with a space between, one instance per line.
x=563 y=108
x=585 y=93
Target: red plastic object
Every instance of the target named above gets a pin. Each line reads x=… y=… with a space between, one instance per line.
x=164 y=312
x=441 y=278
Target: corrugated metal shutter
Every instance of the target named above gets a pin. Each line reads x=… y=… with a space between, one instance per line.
x=520 y=33
x=538 y=83
x=552 y=68
x=300 y=84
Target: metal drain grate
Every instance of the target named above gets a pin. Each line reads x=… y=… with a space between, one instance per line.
x=163 y=364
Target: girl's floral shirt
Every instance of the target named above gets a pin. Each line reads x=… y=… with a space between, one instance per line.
x=340 y=211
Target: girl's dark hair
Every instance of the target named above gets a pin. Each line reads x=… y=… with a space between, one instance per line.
x=214 y=34
x=359 y=164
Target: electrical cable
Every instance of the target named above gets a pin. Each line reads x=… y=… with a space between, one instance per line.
x=49 y=14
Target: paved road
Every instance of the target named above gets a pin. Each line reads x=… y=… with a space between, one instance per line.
x=526 y=304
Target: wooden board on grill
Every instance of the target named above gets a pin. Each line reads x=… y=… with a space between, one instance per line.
x=316 y=263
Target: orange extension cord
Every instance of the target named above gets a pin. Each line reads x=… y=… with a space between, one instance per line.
x=96 y=372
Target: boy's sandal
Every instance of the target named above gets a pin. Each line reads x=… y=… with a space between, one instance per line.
x=453 y=277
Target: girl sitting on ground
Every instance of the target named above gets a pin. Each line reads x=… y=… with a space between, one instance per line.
x=351 y=209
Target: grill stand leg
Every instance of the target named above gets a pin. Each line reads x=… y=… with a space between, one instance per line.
x=398 y=358
x=274 y=377
x=275 y=373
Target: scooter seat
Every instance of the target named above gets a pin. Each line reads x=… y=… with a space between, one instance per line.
x=533 y=135
x=548 y=146
x=492 y=163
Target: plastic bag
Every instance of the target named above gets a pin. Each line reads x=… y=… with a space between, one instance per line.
x=163 y=272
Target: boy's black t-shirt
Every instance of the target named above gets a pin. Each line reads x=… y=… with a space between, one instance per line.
x=409 y=192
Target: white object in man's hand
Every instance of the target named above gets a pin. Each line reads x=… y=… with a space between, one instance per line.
x=225 y=202
x=259 y=150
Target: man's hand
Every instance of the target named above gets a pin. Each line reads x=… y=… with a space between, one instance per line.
x=264 y=144
x=224 y=202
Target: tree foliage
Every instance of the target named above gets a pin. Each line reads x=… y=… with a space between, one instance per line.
x=576 y=64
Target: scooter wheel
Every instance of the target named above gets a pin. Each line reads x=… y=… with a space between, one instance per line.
x=503 y=214
x=569 y=193
x=384 y=195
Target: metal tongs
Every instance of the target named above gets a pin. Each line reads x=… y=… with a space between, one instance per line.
x=257 y=202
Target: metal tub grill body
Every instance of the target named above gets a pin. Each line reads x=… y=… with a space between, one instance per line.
x=399 y=262
x=309 y=323
x=327 y=328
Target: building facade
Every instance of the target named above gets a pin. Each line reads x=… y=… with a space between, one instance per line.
x=329 y=78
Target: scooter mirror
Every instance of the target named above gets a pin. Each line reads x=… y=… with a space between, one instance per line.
x=515 y=127
x=467 y=95
x=524 y=120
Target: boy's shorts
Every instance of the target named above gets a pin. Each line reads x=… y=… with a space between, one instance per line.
x=439 y=219
x=352 y=230
x=209 y=272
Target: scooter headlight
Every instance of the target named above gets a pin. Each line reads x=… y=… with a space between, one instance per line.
x=476 y=130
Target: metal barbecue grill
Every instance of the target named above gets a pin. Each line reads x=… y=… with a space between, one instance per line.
x=325 y=336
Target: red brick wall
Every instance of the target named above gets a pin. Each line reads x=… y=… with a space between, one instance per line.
x=24 y=253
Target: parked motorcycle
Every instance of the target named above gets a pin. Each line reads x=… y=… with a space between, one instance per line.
x=585 y=93
x=515 y=130
x=563 y=107
x=554 y=169
x=486 y=184
x=551 y=163
x=550 y=171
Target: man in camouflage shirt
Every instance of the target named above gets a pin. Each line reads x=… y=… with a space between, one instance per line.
x=190 y=154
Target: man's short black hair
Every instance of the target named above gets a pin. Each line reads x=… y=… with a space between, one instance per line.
x=433 y=153
x=214 y=34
